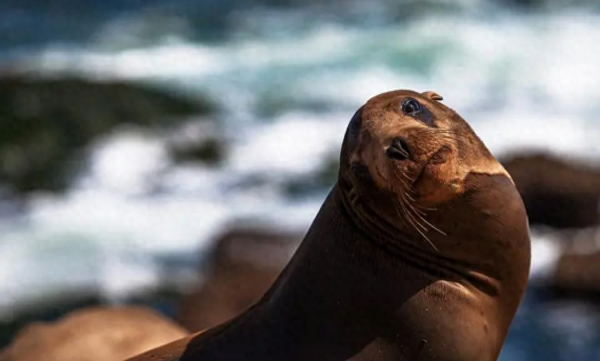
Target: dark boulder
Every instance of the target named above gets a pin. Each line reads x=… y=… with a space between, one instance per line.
x=557 y=193
x=577 y=272
x=47 y=122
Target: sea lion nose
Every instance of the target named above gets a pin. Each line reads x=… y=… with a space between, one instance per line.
x=398 y=150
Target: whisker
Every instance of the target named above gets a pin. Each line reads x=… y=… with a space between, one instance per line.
x=421 y=214
x=413 y=213
x=431 y=225
x=420 y=232
x=412 y=217
x=451 y=135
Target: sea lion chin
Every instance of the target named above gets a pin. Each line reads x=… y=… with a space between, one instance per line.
x=421 y=251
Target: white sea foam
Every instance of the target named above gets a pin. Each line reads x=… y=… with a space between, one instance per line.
x=295 y=143
x=520 y=129
x=546 y=249
x=109 y=232
x=529 y=54
x=165 y=61
x=522 y=82
x=125 y=163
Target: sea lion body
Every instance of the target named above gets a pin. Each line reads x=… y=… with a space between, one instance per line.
x=421 y=251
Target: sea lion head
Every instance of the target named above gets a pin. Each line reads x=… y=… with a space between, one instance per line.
x=404 y=154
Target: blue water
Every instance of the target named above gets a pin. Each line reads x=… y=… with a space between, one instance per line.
x=524 y=77
x=553 y=330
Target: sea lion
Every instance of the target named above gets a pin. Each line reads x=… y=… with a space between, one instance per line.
x=421 y=251
x=94 y=334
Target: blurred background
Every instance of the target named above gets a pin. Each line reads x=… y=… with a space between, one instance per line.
x=173 y=152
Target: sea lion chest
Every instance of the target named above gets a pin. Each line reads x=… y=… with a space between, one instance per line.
x=441 y=323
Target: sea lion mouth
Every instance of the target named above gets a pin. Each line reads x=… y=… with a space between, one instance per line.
x=399 y=149
x=440 y=156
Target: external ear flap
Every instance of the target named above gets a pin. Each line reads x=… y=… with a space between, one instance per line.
x=350 y=142
x=433 y=95
x=354 y=129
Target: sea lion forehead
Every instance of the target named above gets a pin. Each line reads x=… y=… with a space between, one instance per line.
x=386 y=108
x=391 y=99
x=392 y=95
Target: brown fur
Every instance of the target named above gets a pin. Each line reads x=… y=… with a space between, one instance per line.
x=93 y=334
x=424 y=258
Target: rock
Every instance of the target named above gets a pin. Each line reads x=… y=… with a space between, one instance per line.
x=243 y=265
x=46 y=123
x=52 y=308
x=557 y=193
x=94 y=334
x=578 y=270
x=198 y=142
x=210 y=152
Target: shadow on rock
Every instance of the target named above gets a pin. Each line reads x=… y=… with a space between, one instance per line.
x=557 y=193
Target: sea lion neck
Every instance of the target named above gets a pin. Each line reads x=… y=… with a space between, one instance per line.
x=343 y=297
x=437 y=259
x=337 y=297
x=377 y=231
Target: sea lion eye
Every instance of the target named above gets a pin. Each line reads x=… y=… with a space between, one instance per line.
x=410 y=106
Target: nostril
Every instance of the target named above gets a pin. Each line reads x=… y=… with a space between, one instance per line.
x=398 y=150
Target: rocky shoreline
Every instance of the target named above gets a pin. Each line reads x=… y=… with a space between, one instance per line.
x=47 y=123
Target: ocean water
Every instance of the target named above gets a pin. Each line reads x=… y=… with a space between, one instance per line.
x=287 y=79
